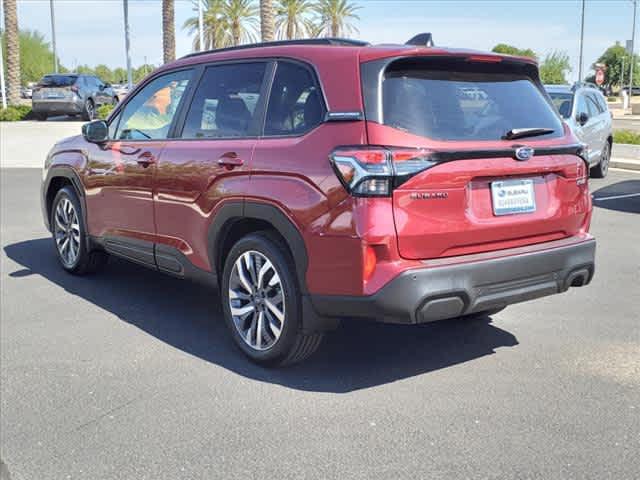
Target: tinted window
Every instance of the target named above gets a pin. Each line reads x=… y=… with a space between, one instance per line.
x=225 y=102
x=58 y=80
x=463 y=105
x=295 y=105
x=150 y=112
x=582 y=105
x=595 y=99
x=563 y=102
x=594 y=110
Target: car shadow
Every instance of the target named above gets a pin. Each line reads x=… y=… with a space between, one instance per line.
x=621 y=196
x=188 y=316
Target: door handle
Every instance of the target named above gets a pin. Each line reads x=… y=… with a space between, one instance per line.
x=230 y=160
x=146 y=158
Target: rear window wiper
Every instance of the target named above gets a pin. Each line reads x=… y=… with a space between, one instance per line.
x=526 y=132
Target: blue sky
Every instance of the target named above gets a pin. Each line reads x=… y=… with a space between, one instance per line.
x=91 y=31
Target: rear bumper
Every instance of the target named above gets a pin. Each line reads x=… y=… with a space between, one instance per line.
x=61 y=107
x=470 y=284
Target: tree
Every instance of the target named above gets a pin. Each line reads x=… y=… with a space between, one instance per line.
x=266 y=20
x=104 y=73
x=241 y=16
x=292 y=18
x=511 y=50
x=13 y=51
x=142 y=71
x=216 y=28
x=614 y=57
x=36 y=57
x=168 y=31
x=336 y=16
x=555 y=67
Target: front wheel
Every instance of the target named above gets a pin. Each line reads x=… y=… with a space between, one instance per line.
x=89 y=110
x=602 y=168
x=262 y=302
x=70 y=235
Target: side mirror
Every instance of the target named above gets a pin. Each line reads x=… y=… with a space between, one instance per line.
x=107 y=85
x=582 y=118
x=96 y=131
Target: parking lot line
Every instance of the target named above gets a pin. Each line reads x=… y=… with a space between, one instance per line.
x=615 y=197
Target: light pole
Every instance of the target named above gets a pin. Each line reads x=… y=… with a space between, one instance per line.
x=632 y=63
x=200 y=25
x=127 y=46
x=53 y=37
x=581 y=42
x=3 y=88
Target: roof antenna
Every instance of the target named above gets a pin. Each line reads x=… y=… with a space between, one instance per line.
x=421 y=40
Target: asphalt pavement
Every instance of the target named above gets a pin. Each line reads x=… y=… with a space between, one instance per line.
x=129 y=374
x=632 y=124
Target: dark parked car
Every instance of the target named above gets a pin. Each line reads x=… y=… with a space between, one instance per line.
x=71 y=94
x=319 y=179
x=634 y=91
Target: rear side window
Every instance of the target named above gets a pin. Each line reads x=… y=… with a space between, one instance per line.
x=58 y=80
x=295 y=105
x=225 y=102
x=563 y=102
x=592 y=105
x=446 y=104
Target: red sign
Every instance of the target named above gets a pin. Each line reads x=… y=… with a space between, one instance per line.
x=600 y=77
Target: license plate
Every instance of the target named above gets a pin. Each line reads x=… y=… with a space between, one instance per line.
x=55 y=94
x=513 y=196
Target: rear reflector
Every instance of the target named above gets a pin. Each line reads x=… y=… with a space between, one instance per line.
x=369 y=263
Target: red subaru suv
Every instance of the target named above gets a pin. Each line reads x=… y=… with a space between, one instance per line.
x=317 y=179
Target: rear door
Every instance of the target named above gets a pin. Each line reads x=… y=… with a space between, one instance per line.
x=478 y=195
x=209 y=160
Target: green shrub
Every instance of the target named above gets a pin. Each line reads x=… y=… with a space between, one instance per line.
x=104 y=111
x=13 y=113
x=626 y=136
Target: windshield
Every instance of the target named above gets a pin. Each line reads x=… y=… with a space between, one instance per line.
x=563 y=102
x=449 y=105
x=58 y=80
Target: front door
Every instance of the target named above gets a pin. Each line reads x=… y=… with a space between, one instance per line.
x=120 y=174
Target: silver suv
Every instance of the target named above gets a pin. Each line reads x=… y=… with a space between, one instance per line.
x=585 y=110
x=71 y=94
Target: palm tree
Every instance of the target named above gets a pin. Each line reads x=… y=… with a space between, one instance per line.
x=241 y=16
x=216 y=28
x=292 y=18
x=266 y=20
x=13 y=51
x=336 y=17
x=168 y=31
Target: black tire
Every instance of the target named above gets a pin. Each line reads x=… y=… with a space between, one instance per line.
x=292 y=345
x=89 y=110
x=41 y=116
x=86 y=261
x=114 y=101
x=602 y=168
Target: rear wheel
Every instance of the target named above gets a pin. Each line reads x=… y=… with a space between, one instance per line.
x=70 y=235
x=601 y=169
x=89 y=110
x=262 y=303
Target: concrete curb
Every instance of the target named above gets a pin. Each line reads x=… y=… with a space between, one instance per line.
x=623 y=150
x=626 y=163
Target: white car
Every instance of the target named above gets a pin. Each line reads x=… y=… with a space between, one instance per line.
x=585 y=110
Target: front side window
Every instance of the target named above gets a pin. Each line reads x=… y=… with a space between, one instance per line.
x=225 y=102
x=581 y=106
x=445 y=104
x=148 y=115
x=295 y=105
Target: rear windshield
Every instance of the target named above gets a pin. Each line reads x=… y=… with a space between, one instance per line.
x=58 y=80
x=464 y=105
x=563 y=102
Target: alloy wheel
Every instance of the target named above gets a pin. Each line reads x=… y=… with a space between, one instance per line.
x=604 y=161
x=90 y=109
x=257 y=300
x=67 y=231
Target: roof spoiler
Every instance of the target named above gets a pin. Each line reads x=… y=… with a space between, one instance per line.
x=421 y=40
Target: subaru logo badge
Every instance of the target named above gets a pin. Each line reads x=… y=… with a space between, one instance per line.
x=524 y=153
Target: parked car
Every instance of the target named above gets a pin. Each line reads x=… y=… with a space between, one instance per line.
x=313 y=180
x=634 y=91
x=71 y=94
x=585 y=110
x=26 y=91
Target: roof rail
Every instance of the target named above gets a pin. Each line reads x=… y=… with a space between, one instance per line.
x=421 y=40
x=282 y=43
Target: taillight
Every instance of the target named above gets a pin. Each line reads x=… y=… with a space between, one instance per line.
x=375 y=171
